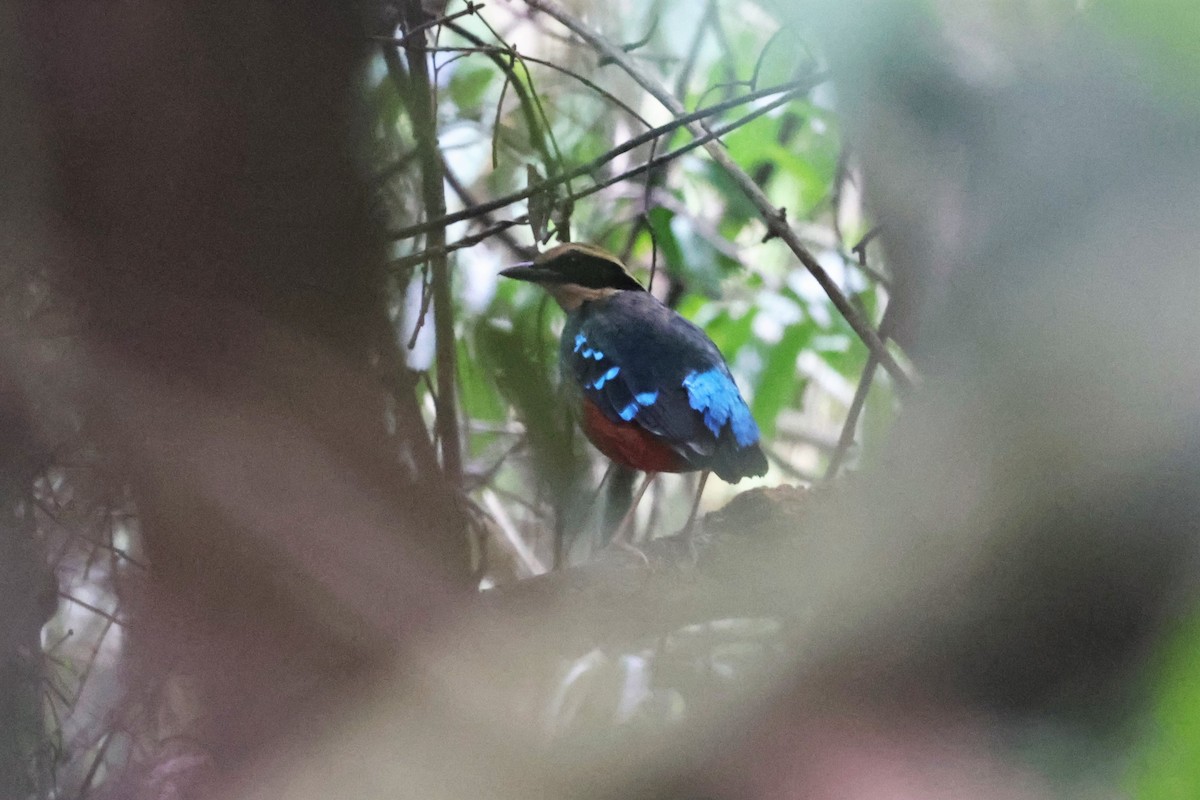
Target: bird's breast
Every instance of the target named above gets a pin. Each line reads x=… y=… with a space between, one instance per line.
x=629 y=444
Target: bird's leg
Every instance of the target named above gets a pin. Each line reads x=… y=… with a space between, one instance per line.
x=687 y=527
x=622 y=536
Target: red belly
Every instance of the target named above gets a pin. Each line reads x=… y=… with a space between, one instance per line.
x=629 y=444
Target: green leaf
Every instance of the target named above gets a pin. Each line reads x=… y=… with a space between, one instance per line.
x=469 y=85
x=738 y=210
x=385 y=102
x=754 y=142
x=731 y=333
x=779 y=381
x=703 y=266
x=851 y=360
x=687 y=255
x=1166 y=764
x=479 y=396
x=526 y=385
x=668 y=246
x=1164 y=42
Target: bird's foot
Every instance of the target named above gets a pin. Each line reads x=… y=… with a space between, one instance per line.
x=692 y=537
x=629 y=547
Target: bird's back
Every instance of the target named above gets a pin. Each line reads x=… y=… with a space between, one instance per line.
x=643 y=365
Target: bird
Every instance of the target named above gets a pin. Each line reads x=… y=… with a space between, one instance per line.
x=652 y=390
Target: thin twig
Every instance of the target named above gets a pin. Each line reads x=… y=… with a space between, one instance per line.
x=704 y=227
x=730 y=59
x=772 y=216
x=108 y=615
x=404 y=262
x=860 y=249
x=629 y=47
x=792 y=87
x=91 y=662
x=101 y=751
x=426 y=294
x=494 y=228
x=860 y=252
x=787 y=467
x=433 y=190
x=509 y=79
x=402 y=41
x=587 y=82
x=846 y=438
x=402 y=385
x=510 y=536
x=698 y=142
x=468 y=241
x=531 y=100
x=693 y=51
x=653 y=179
x=762 y=57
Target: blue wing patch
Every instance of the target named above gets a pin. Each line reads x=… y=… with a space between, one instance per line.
x=606 y=377
x=640 y=401
x=584 y=350
x=714 y=394
x=646 y=398
x=639 y=362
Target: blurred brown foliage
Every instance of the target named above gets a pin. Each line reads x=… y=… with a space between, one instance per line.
x=183 y=175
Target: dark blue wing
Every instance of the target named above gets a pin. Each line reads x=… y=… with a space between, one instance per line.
x=640 y=362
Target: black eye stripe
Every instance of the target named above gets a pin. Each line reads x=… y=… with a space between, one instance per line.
x=592 y=272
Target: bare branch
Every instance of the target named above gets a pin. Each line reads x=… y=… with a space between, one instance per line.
x=772 y=216
x=792 y=87
x=421 y=109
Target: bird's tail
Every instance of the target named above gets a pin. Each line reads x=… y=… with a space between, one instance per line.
x=733 y=463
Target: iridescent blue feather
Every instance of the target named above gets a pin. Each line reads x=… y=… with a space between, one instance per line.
x=640 y=362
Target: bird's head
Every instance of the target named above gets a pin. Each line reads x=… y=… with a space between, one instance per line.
x=574 y=273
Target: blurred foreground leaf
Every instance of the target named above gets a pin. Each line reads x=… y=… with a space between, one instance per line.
x=1167 y=765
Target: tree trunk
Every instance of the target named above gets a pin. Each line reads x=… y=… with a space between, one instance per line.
x=220 y=244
